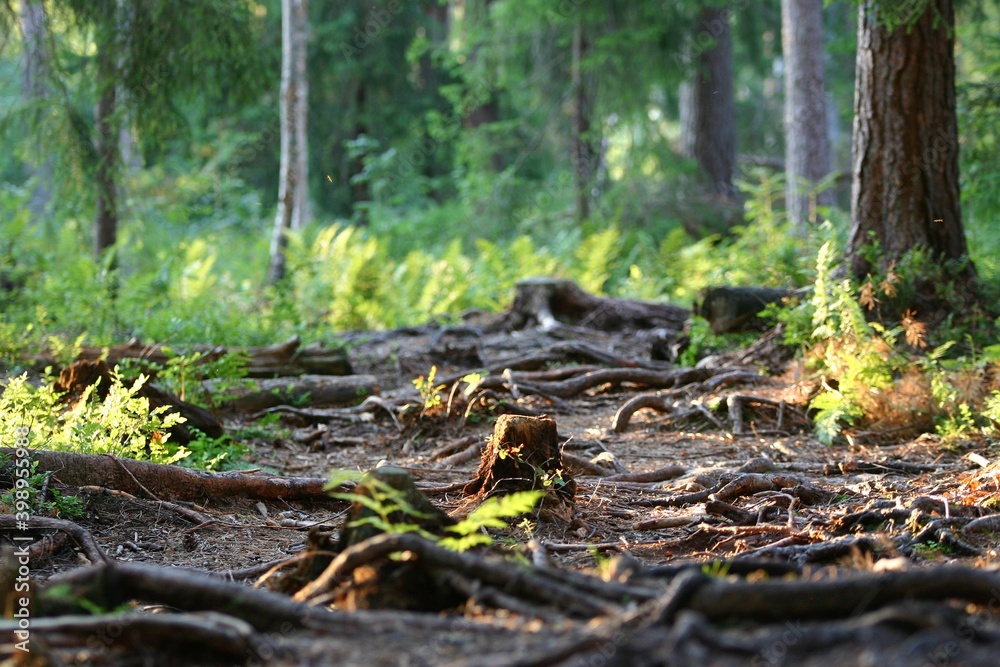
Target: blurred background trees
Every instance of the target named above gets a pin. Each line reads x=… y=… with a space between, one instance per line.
x=645 y=148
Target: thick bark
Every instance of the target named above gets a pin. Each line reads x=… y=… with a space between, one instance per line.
x=580 y=126
x=708 y=106
x=906 y=188
x=293 y=177
x=34 y=28
x=807 y=146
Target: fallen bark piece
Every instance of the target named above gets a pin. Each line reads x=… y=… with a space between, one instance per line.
x=522 y=454
x=549 y=302
x=168 y=482
x=305 y=390
x=75 y=379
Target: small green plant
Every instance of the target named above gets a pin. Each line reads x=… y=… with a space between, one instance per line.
x=430 y=392
x=55 y=503
x=214 y=454
x=491 y=514
x=121 y=424
x=390 y=511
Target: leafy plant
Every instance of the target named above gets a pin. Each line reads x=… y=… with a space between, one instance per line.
x=121 y=424
x=55 y=503
x=391 y=512
x=430 y=392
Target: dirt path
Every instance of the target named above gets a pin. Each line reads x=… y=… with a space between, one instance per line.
x=733 y=478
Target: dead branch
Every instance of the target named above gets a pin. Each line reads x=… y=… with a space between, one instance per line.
x=258 y=395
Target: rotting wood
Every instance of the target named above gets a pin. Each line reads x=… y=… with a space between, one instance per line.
x=170 y=482
x=523 y=454
x=281 y=359
x=308 y=389
x=550 y=303
x=730 y=309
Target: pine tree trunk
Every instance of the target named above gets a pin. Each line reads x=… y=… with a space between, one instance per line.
x=905 y=171
x=582 y=151
x=36 y=72
x=807 y=146
x=293 y=185
x=107 y=126
x=711 y=109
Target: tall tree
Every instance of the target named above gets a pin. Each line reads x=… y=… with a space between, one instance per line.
x=708 y=124
x=34 y=29
x=141 y=59
x=807 y=146
x=293 y=184
x=582 y=102
x=905 y=173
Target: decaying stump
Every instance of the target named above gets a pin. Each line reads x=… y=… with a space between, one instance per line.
x=389 y=486
x=78 y=376
x=730 y=309
x=523 y=454
x=547 y=302
x=388 y=497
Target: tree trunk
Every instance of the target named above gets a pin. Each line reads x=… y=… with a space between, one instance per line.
x=107 y=125
x=36 y=91
x=905 y=172
x=710 y=111
x=807 y=146
x=293 y=184
x=582 y=151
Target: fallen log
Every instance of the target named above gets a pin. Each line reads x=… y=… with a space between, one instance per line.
x=732 y=309
x=282 y=359
x=255 y=395
x=167 y=482
x=549 y=302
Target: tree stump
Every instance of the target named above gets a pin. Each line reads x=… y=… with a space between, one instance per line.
x=730 y=309
x=390 y=487
x=547 y=302
x=523 y=455
x=386 y=583
x=75 y=378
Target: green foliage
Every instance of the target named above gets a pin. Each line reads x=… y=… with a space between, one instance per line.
x=54 y=503
x=429 y=391
x=122 y=424
x=391 y=512
x=491 y=514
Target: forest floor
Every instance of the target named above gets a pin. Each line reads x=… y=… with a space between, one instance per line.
x=746 y=542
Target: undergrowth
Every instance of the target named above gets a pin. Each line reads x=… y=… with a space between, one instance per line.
x=886 y=380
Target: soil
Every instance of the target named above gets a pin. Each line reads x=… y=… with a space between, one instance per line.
x=921 y=495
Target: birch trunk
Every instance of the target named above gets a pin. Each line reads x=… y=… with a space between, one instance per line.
x=293 y=186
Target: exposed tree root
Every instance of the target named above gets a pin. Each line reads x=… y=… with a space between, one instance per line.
x=167 y=481
x=88 y=545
